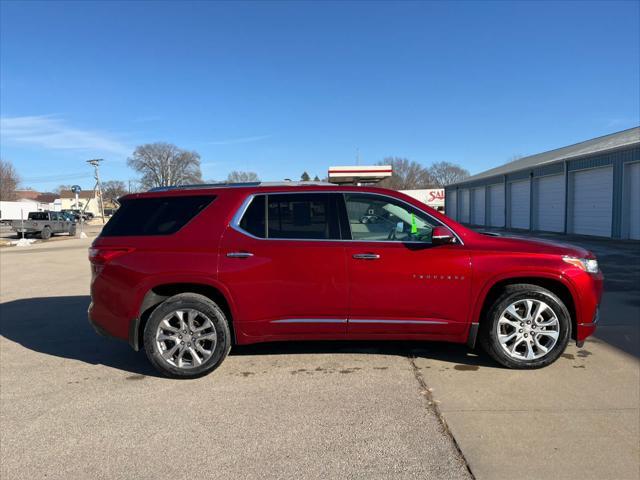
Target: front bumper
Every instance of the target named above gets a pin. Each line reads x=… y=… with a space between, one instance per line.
x=587 y=329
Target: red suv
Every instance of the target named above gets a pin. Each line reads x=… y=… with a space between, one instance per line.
x=186 y=272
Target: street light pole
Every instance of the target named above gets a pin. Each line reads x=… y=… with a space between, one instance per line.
x=96 y=165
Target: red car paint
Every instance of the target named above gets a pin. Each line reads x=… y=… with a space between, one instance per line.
x=434 y=293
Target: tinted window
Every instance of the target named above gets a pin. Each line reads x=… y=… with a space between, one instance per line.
x=301 y=216
x=375 y=218
x=253 y=219
x=38 y=216
x=154 y=216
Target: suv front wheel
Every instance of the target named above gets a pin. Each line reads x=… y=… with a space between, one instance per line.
x=187 y=336
x=527 y=327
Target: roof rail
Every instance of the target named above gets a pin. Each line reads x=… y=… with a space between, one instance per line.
x=204 y=185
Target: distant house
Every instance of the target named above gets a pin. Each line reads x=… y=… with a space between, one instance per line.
x=26 y=194
x=87 y=200
x=47 y=197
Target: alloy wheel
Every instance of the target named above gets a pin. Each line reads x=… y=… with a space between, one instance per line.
x=186 y=338
x=528 y=329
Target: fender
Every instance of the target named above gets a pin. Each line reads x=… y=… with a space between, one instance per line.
x=146 y=287
x=474 y=319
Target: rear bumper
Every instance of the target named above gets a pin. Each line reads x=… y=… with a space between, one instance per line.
x=98 y=329
x=133 y=334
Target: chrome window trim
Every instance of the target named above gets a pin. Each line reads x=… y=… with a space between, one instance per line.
x=237 y=217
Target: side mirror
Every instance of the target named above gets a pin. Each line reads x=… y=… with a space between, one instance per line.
x=442 y=236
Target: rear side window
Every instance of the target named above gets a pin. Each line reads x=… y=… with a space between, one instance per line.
x=253 y=220
x=301 y=216
x=154 y=216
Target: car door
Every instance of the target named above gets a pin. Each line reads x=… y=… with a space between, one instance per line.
x=399 y=282
x=55 y=222
x=285 y=267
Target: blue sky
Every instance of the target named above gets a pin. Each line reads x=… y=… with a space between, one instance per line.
x=282 y=87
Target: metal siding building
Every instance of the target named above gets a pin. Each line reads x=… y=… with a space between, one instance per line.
x=590 y=188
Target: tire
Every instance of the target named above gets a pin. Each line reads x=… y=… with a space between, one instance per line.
x=72 y=231
x=45 y=234
x=211 y=345
x=548 y=327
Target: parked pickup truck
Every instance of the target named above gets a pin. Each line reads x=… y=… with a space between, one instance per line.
x=44 y=224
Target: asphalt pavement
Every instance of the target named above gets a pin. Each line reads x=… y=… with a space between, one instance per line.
x=75 y=405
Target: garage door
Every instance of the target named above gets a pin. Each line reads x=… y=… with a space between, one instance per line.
x=496 y=205
x=451 y=204
x=549 y=203
x=464 y=206
x=591 y=201
x=478 y=206
x=519 y=204
x=632 y=194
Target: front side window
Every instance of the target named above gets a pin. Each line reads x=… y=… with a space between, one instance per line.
x=380 y=218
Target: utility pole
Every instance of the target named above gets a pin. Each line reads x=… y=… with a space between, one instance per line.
x=96 y=166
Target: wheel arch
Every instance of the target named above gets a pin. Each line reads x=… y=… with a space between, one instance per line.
x=558 y=286
x=157 y=294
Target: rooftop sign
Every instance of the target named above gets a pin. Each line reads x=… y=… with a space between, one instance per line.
x=359 y=173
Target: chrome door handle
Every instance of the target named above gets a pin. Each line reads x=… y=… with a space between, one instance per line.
x=239 y=254
x=366 y=256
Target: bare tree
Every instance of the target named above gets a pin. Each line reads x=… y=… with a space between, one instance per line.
x=242 y=177
x=60 y=188
x=114 y=189
x=9 y=180
x=407 y=175
x=445 y=173
x=163 y=165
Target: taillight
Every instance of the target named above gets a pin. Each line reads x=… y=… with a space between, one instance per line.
x=103 y=255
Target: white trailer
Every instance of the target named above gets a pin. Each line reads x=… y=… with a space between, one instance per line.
x=17 y=210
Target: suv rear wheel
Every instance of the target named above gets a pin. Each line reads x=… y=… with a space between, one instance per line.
x=527 y=327
x=187 y=336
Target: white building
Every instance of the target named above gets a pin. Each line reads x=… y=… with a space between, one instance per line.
x=87 y=201
x=590 y=188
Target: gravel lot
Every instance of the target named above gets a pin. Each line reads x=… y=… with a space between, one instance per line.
x=75 y=405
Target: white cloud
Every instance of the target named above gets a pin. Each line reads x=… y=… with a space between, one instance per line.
x=51 y=132
x=232 y=141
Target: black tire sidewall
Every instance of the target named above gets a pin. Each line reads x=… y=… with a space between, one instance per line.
x=492 y=344
x=195 y=302
x=46 y=233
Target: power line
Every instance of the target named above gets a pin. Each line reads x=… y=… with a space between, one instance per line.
x=54 y=178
